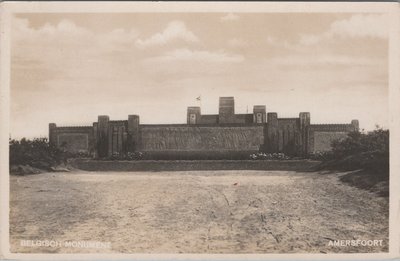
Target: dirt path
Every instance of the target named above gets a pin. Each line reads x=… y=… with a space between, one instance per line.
x=195 y=212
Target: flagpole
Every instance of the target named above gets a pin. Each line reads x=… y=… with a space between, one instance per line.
x=199 y=99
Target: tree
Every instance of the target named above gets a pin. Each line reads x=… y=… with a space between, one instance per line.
x=368 y=151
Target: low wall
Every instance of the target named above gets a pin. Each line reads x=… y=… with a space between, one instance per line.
x=151 y=165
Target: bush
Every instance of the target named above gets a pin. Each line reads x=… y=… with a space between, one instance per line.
x=369 y=151
x=269 y=156
x=321 y=155
x=134 y=155
x=125 y=156
x=38 y=153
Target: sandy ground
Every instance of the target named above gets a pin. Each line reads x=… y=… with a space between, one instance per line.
x=195 y=212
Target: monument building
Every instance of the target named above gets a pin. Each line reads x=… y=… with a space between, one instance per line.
x=222 y=132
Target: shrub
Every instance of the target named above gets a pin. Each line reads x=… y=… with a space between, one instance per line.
x=359 y=150
x=269 y=156
x=38 y=153
x=126 y=156
x=134 y=155
x=321 y=155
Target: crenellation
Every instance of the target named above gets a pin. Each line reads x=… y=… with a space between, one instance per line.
x=72 y=127
x=332 y=127
x=288 y=119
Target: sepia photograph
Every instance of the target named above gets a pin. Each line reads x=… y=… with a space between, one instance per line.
x=165 y=128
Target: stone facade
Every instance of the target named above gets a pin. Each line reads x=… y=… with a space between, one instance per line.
x=223 y=132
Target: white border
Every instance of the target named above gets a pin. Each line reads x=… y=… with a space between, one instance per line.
x=240 y=7
x=4 y=128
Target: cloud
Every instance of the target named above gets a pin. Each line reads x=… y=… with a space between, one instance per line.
x=371 y=25
x=175 y=30
x=230 y=17
x=65 y=35
x=65 y=30
x=191 y=64
x=56 y=61
x=187 y=55
x=64 y=53
x=322 y=60
x=237 y=42
x=121 y=36
x=280 y=43
x=64 y=26
x=309 y=39
x=357 y=26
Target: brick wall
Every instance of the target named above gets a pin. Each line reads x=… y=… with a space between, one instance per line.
x=201 y=138
x=74 y=139
x=321 y=136
x=288 y=135
x=225 y=132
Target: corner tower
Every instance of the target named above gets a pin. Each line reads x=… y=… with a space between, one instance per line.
x=133 y=132
x=102 y=135
x=305 y=119
x=259 y=114
x=193 y=115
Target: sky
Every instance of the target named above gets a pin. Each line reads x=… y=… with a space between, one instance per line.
x=70 y=68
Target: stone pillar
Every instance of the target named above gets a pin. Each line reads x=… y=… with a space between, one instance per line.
x=102 y=135
x=95 y=140
x=272 y=132
x=52 y=135
x=280 y=141
x=305 y=120
x=356 y=125
x=193 y=115
x=125 y=144
x=259 y=114
x=110 y=139
x=133 y=133
x=226 y=110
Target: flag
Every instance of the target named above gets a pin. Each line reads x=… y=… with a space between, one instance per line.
x=198 y=98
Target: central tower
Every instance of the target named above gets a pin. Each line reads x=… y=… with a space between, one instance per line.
x=226 y=110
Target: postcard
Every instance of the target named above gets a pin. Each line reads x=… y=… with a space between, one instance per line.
x=200 y=130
